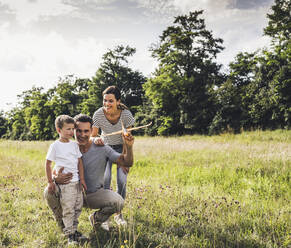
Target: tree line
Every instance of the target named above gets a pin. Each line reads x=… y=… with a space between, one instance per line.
x=186 y=94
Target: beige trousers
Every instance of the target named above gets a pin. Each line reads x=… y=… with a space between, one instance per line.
x=107 y=201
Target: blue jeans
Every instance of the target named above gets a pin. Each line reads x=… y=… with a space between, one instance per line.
x=121 y=176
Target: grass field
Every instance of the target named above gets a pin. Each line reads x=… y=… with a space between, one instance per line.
x=191 y=191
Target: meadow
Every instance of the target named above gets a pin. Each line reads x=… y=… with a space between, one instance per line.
x=190 y=191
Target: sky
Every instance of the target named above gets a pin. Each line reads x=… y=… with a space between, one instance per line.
x=43 y=41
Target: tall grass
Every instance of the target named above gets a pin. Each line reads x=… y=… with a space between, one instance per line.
x=191 y=191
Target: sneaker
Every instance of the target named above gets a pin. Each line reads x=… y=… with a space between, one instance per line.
x=79 y=236
x=95 y=224
x=119 y=220
x=72 y=240
x=105 y=225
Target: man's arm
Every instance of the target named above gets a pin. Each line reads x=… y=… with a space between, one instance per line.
x=62 y=178
x=126 y=158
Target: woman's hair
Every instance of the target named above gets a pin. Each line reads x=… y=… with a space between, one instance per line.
x=116 y=92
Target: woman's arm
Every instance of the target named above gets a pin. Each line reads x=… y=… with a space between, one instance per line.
x=95 y=132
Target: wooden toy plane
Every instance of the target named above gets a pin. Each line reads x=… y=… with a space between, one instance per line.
x=125 y=130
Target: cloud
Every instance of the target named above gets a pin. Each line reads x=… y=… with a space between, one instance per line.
x=27 y=11
x=41 y=60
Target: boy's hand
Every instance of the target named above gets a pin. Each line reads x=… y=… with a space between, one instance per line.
x=51 y=188
x=98 y=141
x=83 y=184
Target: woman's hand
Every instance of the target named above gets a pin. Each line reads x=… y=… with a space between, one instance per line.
x=98 y=141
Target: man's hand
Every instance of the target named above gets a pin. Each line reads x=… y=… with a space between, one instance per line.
x=63 y=178
x=51 y=188
x=124 y=169
x=128 y=139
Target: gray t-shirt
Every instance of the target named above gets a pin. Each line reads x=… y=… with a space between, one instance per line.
x=94 y=162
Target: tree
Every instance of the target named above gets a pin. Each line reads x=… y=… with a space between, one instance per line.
x=233 y=95
x=3 y=124
x=279 y=25
x=182 y=87
x=114 y=70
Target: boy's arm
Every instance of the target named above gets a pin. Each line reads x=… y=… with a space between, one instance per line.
x=48 y=170
x=81 y=173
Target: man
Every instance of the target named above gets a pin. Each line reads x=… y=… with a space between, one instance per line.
x=94 y=161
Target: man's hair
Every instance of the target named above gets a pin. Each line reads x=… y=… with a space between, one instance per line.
x=62 y=119
x=83 y=118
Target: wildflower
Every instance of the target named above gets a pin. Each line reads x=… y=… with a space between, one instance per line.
x=125 y=241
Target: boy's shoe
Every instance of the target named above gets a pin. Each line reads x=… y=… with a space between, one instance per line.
x=95 y=224
x=105 y=225
x=72 y=240
x=119 y=220
x=79 y=236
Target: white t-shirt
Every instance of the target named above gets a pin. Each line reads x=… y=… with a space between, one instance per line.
x=65 y=154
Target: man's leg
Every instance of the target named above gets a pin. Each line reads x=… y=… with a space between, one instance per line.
x=107 y=201
x=53 y=201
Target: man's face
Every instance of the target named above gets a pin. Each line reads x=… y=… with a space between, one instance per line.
x=83 y=132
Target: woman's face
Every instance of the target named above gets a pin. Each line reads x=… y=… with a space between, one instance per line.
x=110 y=103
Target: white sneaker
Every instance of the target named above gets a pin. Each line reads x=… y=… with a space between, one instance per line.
x=119 y=220
x=105 y=225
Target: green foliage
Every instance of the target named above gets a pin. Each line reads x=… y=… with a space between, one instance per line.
x=258 y=89
x=186 y=94
x=114 y=70
x=279 y=25
x=181 y=89
x=3 y=124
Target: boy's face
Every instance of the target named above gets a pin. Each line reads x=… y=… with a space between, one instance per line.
x=67 y=131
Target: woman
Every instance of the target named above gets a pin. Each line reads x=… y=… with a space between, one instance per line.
x=108 y=118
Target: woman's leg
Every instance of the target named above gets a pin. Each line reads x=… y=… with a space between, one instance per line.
x=107 y=175
x=121 y=182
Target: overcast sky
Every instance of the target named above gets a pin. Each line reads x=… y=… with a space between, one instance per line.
x=43 y=40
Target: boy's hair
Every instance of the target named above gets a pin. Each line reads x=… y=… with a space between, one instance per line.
x=83 y=118
x=61 y=119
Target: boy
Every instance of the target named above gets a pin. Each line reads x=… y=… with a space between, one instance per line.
x=65 y=153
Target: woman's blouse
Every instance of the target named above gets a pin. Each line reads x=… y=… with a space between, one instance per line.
x=100 y=121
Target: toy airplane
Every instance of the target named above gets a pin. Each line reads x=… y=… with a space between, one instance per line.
x=124 y=130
